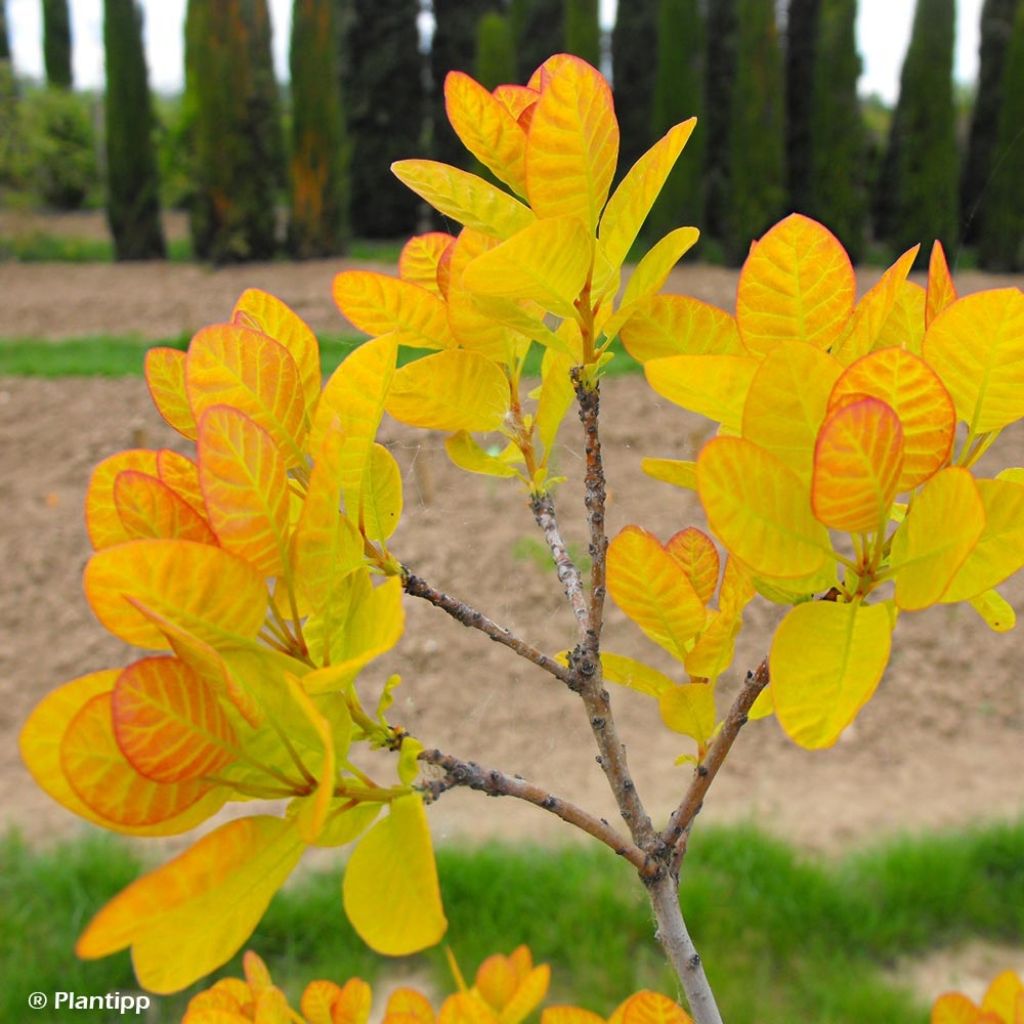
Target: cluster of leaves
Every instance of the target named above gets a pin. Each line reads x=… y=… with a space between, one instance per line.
x=506 y=990
x=839 y=471
x=1003 y=1003
x=242 y=568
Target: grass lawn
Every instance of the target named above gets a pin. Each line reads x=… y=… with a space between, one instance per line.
x=786 y=939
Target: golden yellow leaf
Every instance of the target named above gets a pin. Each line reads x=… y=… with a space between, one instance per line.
x=102 y=519
x=468 y=455
x=165 y=377
x=955 y=1008
x=635 y=674
x=420 y=257
x=941 y=290
x=996 y=612
x=379 y=305
x=715 y=386
x=671 y=325
x=689 y=709
x=652 y=271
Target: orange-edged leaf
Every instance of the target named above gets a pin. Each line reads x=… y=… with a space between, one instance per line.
x=326 y=545
x=420 y=257
x=907 y=384
x=353 y=1004
x=955 y=1008
x=149 y=508
x=711 y=385
x=245 y=484
x=204 y=589
x=904 y=326
x=40 y=742
x=181 y=474
x=941 y=290
x=652 y=271
x=546 y=263
x=689 y=709
x=257 y=975
x=573 y=144
x=105 y=780
x=677 y=472
x=796 y=285
x=874 y=308
x=169 y=723
x=464 y=197
x=1003 y=996
x=516 y=99
x=165 y=378
x=542 y=74
x=390 y=891
x=826 y=661
x=670 y=325
x=454 y=390
x=272 y=1008
x=236 y=366
x=487 y=129
x=188 y=917
x=102 y=520
x=265 y=312
x=634 y=674
x=635 y=195
x=713 y=652
x=787 y=401
x=463 y=1008
x=945 y=520
x=999 y=552
x=379 y=304
x=654 y=590
x=410 y=1003
x=569 y=1015
x=647 y=1007
x=857 y=464
x=976 y=346
x=317 y=999
x=760 y=509
x=695 y=551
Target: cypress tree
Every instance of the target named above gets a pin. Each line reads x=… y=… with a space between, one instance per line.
x=802 y=35
x=538 y=28
x=835 y=189
x=231 y=105
x=678 y=92
x=385 y=103
x=583 y=30
x=453 y=48
x=133 y=183
x=720 y=76
x=634 y=42
x=319 y=161
x=917 y=195
x=756 y=188
x=1002 y=236
x=997 y=17
x=5 y=41
x=495 y=51
x=57 y=43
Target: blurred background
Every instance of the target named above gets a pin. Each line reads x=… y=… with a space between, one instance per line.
x=256 y=129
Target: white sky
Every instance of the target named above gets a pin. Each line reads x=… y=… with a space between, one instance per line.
x=883 y=28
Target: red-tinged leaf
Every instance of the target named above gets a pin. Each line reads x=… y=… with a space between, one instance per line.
x=573 y=144
x=487 y=129
x=264 y=312
x=653 y=1008
x=796 y=285
x=379 y=304
x=206 y=590
x=181 y=474
x=40 y=742
x=464 y=197
x=669 y=325
x=419 y=259
x=165 y=377
x=105 y=780
x=857 y=465
x=185 y=919
x=633 y=198
x=102 y=520
x=542 y=74
x=516 y=99
x=169 y=723
x=695 y=551
x=257 y=975
x=149 y=508
x=654 y=590
x=245 y=369
x=941 y=529
x=873 y=310
x=245 y=485
x=569 y=1015
x=941 y=290
x=353 y=1004
x=317 y=1000
x=917 y=396
x=760 y=509
x=976 y=346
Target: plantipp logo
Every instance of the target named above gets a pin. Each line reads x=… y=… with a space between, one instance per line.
x=118 y=1001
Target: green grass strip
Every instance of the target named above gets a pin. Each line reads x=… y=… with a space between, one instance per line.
x=785 y=938
x=119 y=356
